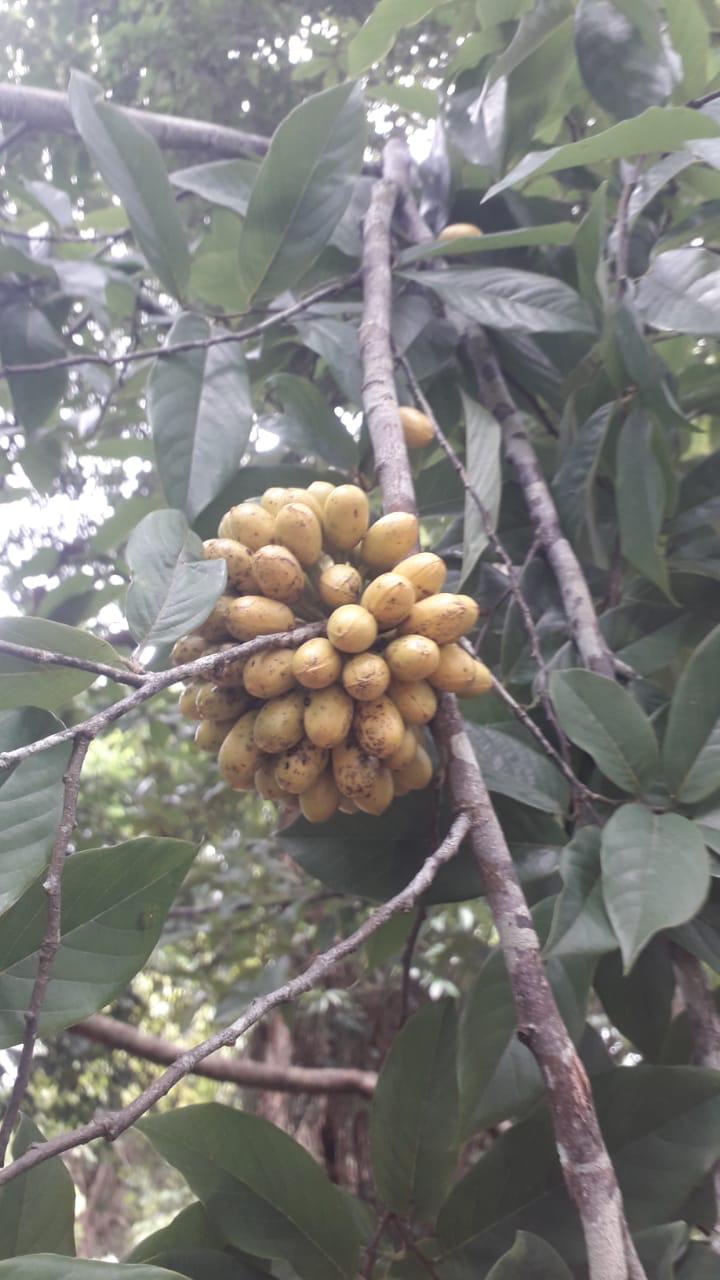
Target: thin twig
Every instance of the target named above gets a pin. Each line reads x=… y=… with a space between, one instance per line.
x=46 y=657
x=52 y=885
x=412 y=1246
x=407 y=957
x=372 y=1245
x=622 y=241
x=111 y=1125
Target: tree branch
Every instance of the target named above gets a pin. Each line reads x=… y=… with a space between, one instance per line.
x=46 y=657
x=111 y=1125
x=243 y=1072
x=52 y=885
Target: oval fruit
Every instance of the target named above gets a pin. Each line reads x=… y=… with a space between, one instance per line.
x=442 y=618
x=389 y=539
x=458 y=231
x=328 y=716
x=321 y=800
x=415 y=700
x=266 y=784
x=389 y=598
x=187 y=649
x=273 y=499
x=305 y=497
x=320 y=491
x=269 y=675
x=412 y=657
x=251 y=616
x=316 y=664
x=230 y=672
x=187 y=702
x=417 y=428
x=215 y=627
x=455 y=671
x=279 y=723
x=250 y=524
x=379 y=727
x=238 y=755
x=345 y=516
x=237 y=558
x=339 y=584
x=380 y=796
x=404 y=753
x=210 y=735
x=354 y=771
x=416 y=775
x=366 y=676
x=278 y=573
x=351 y=628
x=298 y=768
x=218 y=702
x=482 y=681
x=425 y=570
x=298 y=527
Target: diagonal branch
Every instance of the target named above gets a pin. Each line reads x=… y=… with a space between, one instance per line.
x=111 y=1125
x=47 y=658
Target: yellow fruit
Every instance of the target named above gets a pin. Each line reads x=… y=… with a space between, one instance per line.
x=187 y=649
x=237 y=558
x=389 y=598
x=218 y=702
x=442 y=618
x=412 y=657
x=366 y=676
x=379 y=727
x=380 y=796
x=328 y=716
x=231 y=672
x=414 y=699
x=321 y=490
x=351 y=629
x=345 y=516
x=301 y=766
x=215 y=627
x=298 y=527
x=339 y=584
x=321 y=800
x=273 y=499
x=250 y=524
x=482 y=681
x=266 y=783
x=307 y=498
x=455 y=671
x=354 y=771
x=417 y=427
x=425 y=570
x=346 y=805
x=187 y=702
x=251 y=616
x=238 y=755
x=389 y=539
x=415 y=775
x=316 y=664
x=278 y=573
x=279 y=723
x=404 y=753
x=210 y=734
x=269 y=675
x=458 y=231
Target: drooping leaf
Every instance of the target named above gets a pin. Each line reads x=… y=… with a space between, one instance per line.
x=267 y=1195
x=618 y=67
x=641 y=498
x=377 y=36
x=201 y=415
x=513 y=767
x=574 y=481
x=131 y=163
x=603 y=719
x=26 y=338
x=680 y=292
x=484 y=468
x=580 y=924
x=503 y=298
x=30 y=808
x=50 y=1266
x=173 y=589
x=302 y=189
x=655 y=874
x=530 y=1258
x=336 y=341
x=224 y=182
x=691 y=749
x=414 y=1116
x=309 y=424
x=24 y=683
x=37 y=1209
x=114 y=904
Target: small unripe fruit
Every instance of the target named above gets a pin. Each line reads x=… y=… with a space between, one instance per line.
x=269 y=675
x=187 y=702
x=339 y=584
x=366 y=676
x=389 y=598
x=250 y=524
x=417 y=427
x=414 y=776
x=316 y=664
x=279 y=723
x=301 y=766
x=238 y=755
x=379 y=727
x=412 y=657
x=354 y=771
x=351 y=628
x=266 y=783
x=321 y=490
x=442 y=618
x=218 y=702
x=236 y=557
x=298 y=527
x=458 y=231
x=389 y=539
x=273 y=499
x=404 y=753
x=425 y=570
x=345 y=516
x=210 y=735
x=328 y=716
x=482 y=681
x=187 y=649
x=215 y=627
x=321 y=800
x=415 y=700
x=380 y=796
x=278 y=573
x=455 y=671
x=251 y=616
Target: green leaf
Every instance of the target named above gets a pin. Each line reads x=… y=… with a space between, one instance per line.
x=503 y=298
x=173 y=589
x=603 y=719
x=302 y=189
x=555 y=233
x=131 y=163
x=642 y=496
x=657 y=130
x=114 y=903
x=48 y=1266
x=530 y=1258
x=28 y=337
x=690 y=36
x=643 y=1111
x=580 y=924
x=639 y=1003
x=207 y=1264
x=309 y=424
x=484 y=468
x=20 y=726
x=621 y=72
x=201 y=415
x=656 y=874
x=414 y=1116
x=267 y=1195
x=680 y=292
x=590 y=247
x=378 y=35
x=574 y=481
x=193 y=1245
x=37 y=1209
x=224 y=182
x=532 y=31
x=513 y=767
x=30 y=809
x=691 y=750
x=28 y=684
x=336 y=342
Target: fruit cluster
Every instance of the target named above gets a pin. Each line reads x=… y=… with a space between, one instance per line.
x=338 y=721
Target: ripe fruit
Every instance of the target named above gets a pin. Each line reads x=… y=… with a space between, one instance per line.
x=298 y=527
x=266 y=783
x=345 y=516
x=455 y=671
x=366 y=676
x=458 y=231
x=316 y=664
x=389 y=598
x=273 y=499
x=187 y=702
x=354 y=771
x=415 y=700
x=417 y=427
x=269 y=674
x=230 y=672
x=248 y=523
x=403 y=754
x=215 y=626
x=442 y=618
x=320 y=490
x=328 y=716
x=425 y=570
x=351 y=628
x=414 y=776
x=482 y=681
x=379 y=727
x=218 y=702
x=301 y=766
x=380 y=795
x=278 y=573
x=306 y=498
x=237 y=558
x=389 y=539
x=210 y=735
x=251 y=616
x=187 y=649
x=238 y=755
x=412 y=657
x=279 y=723
x=320 y=801
x=339 y=584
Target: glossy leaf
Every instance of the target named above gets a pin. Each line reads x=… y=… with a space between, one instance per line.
x=580 y=924
x=574 y=481
x=691 y=750
x=267 y=1195
x=114 y=904
x=309 y=424
x=131 y=163
x=414 y=1116
x=224 y=182
x=599 y=716
x=503 y=298
x=512 y=767
x=302 y=189
x=201 y=415
x=530 y=1258
x=378 y=35
x=641 y=498
x=484 y=468
x=30 y=809
x=37 y=1209
x=655 y=874
x=336 y=341
x=28 y=337
x=680 y=292
x=25 y=683
x=173 y=589
x=618 y=67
